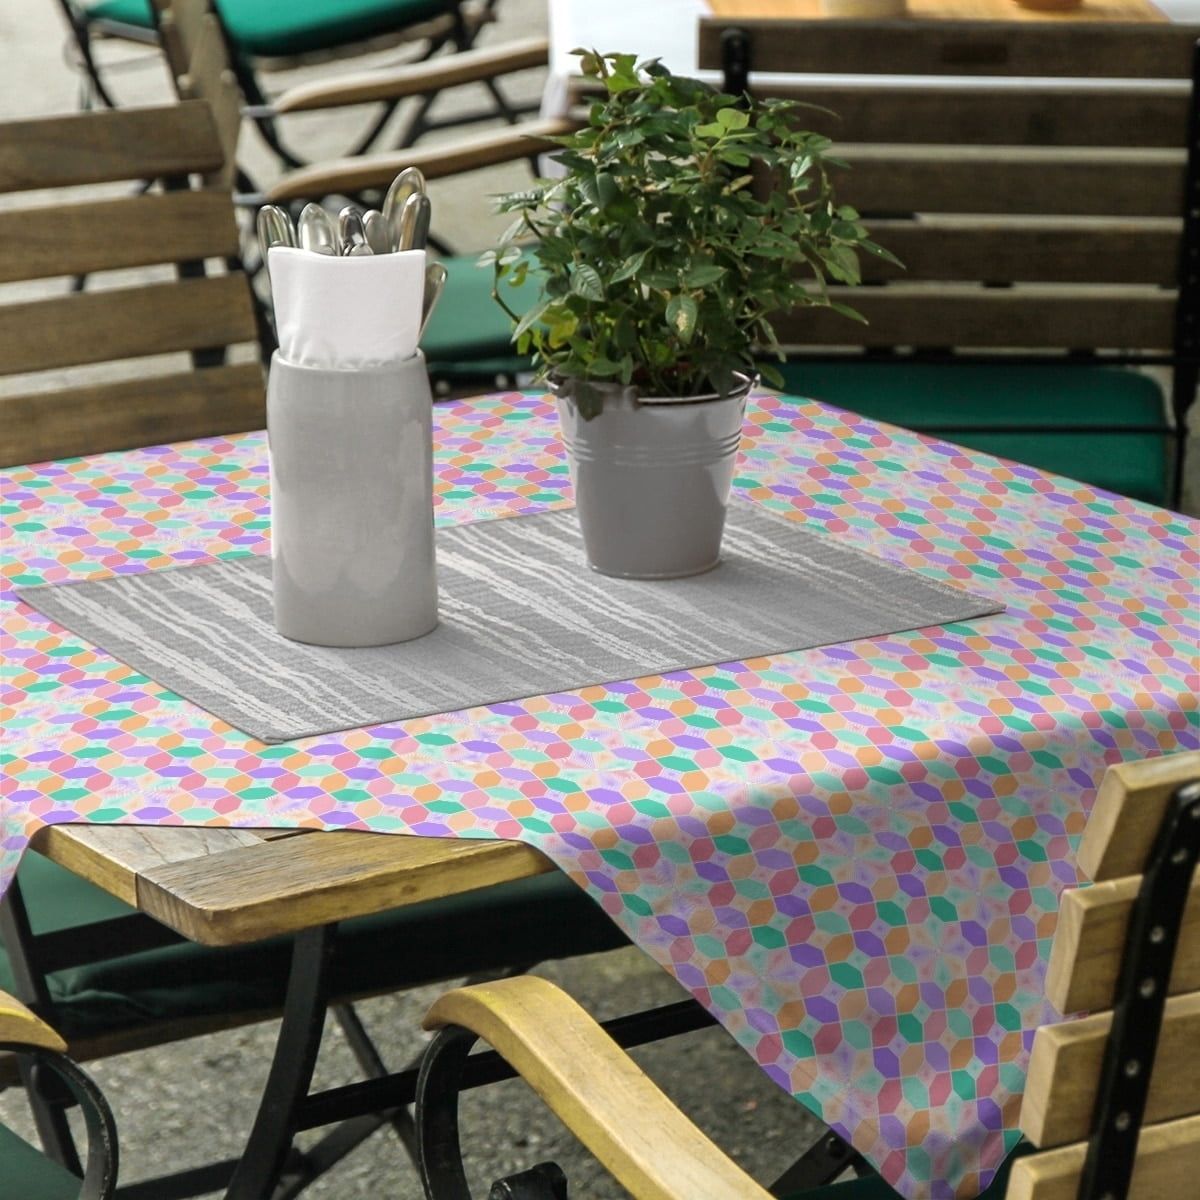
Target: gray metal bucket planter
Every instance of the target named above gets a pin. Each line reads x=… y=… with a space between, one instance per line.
x=652 y=478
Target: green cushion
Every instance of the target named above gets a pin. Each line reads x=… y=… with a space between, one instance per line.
x=875 y=1189
x=529 y=921
x=282 y=27
x=928 y=395
x=468 y=328
x=27 y=1174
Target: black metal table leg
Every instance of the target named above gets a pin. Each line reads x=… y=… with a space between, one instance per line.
x=291 y=1069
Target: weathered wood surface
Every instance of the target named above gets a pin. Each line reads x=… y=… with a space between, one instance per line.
x=1029 y=250
x=349 y=176
x=109 y=235
x=596 y=1090
x=224 y=890
x=968 y=10
x=1168 y=1160
x=1128 y=813
x=106 y=326
x=1049 y=317
x=900 y=46
x=1035 y=180
x=1090 y=937
x=415 y=79
x=1064 y=1073
x=989 y=116
x=39 y=426
x=114 y=144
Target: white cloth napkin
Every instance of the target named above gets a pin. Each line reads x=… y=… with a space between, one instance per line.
x=362 y=311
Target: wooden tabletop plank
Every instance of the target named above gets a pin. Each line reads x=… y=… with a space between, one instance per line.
x=113 y=856
x=254 y=891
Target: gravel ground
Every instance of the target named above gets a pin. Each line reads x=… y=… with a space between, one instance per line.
x=188 y=1104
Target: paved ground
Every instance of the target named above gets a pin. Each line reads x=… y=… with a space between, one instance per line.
x=185 y=1105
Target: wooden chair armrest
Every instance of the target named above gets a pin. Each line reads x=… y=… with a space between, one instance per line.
x=596 y=1090
x=416 y=79
x=350 y=176
x=19 y=1027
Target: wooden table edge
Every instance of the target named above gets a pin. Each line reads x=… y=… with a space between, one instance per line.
x=264 y=883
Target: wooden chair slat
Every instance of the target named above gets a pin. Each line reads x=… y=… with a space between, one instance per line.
x=937 y=47
x=1128 y=812
x=991 y=116
x=101 y=147
x=1090 y=250
x=1064 y=1074
x=88 y=327
x=1090 y=938
x=348 y=176
x=972 y=179
x=104 y=235
x=1168 y=1160
x=1032 y=318
x=141 y=412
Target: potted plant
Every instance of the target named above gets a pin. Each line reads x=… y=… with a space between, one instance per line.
x=684 y=219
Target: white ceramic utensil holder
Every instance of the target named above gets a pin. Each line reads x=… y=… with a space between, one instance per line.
x=352 y=544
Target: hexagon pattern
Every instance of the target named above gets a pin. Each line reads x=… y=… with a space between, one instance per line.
x=851 y=855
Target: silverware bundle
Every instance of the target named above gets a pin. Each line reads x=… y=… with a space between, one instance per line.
x=402 y=225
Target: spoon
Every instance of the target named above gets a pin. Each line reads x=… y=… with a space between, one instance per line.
x=351 y=234
x=274 y=228
x=435 y=282
x=376 y=231
x=414 y=222
x=316 y=230
x=409 y=182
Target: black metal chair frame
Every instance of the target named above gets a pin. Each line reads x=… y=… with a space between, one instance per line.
x=1183 y=358
x=270 y=1167
x=45 y=1071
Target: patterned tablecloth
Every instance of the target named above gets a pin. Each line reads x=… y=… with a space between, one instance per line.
x=851 y=855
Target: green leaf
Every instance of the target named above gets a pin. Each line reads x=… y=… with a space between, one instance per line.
x=585 y=282
x=630 y=267
x=531 y=317
x=681 y=316
x=703 y=274
x=733 y=118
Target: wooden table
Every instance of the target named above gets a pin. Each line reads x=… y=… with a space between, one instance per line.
x=224 y=887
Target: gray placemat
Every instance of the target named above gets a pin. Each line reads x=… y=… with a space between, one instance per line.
x=521 y=615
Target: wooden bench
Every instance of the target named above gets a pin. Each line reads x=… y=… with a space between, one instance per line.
x=1112 y=1098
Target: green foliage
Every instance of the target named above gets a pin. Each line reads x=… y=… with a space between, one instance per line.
x=659 y=263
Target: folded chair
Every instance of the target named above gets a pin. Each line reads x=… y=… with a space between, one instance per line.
x=1050 y=233
x=467 y=344
x=267 y=34
x=26 y=1173
x=1111 y=1109
x=108 y=979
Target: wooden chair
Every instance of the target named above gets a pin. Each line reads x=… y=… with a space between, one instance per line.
x=467 y=344
x=1112 y=1100
x=25 y=1172
x=1044 y=228
x=193 y=318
